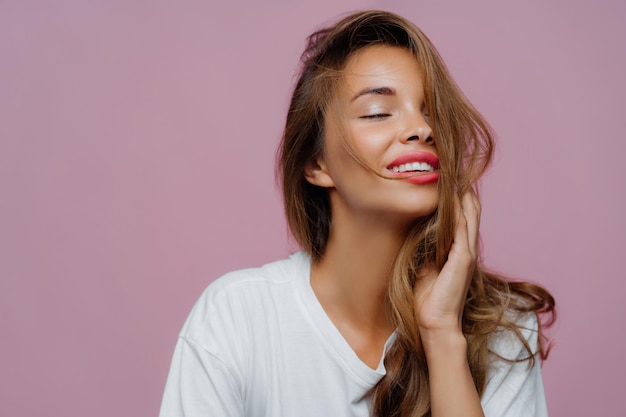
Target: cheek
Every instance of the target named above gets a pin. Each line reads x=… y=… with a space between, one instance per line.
x=355 y=149
x=339 y=149
x=372 y=141
x=369 y=145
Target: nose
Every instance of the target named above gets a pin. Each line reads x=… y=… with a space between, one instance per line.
x=418 y=130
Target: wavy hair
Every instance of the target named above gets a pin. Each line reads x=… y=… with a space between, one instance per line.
x=465 y=146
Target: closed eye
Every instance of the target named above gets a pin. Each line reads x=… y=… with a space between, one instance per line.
x=375 y=116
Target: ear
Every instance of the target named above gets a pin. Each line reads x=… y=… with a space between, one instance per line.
x=317 y=173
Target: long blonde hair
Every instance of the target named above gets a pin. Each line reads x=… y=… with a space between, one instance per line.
x=465 y=146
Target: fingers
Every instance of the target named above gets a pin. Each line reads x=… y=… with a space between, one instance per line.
x=461 y=235
x=467 y=210
x=457 y=269
x=471 y=210
x=441 y=296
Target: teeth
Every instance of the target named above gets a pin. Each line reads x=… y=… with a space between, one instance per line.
x=412 y=166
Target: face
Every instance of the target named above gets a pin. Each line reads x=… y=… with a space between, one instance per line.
x=379 y=114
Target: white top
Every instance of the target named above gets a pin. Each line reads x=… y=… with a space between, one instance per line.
x=258 y=343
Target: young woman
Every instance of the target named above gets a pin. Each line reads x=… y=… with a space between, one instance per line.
x=386 y=311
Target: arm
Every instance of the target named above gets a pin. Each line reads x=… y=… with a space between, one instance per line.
x=199 y=384
x=513 y=388
x=205 y=377
x=440 y=298
x=452 y=389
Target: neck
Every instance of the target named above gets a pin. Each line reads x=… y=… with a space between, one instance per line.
x=352 y=277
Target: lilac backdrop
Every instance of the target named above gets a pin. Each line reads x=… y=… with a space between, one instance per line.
x=137 y=145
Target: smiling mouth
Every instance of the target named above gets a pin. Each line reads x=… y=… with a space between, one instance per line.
x=412 y=167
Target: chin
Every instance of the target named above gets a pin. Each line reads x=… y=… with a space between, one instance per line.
x=423 y=207
x=406 y=215
x=424 y=213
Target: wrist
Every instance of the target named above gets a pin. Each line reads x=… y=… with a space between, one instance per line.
x=444 y=342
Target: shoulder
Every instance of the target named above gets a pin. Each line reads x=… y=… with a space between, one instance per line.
x=271 y=274
x=236 y=298
x=518 y=341
x=514 y=384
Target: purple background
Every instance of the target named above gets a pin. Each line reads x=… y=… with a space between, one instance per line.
x=137 y=144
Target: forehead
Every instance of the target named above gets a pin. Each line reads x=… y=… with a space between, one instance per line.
x=381 y=64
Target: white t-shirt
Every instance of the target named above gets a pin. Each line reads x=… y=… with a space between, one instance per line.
x=258 y=343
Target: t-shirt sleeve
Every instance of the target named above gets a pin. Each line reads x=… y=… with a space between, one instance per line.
x=199 y=384
x=206 y=376
x=513 y=388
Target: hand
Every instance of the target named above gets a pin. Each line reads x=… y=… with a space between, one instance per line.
x=440 y=296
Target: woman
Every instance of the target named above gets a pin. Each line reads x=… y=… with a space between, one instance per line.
x=387 y=310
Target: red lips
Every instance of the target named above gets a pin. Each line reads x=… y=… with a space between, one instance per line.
x=430 y=158
x=416 y=177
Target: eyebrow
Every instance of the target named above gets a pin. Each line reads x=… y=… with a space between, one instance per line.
x=383 y=91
